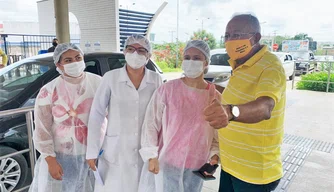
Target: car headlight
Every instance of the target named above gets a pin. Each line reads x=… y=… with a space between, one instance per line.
x=221 y=78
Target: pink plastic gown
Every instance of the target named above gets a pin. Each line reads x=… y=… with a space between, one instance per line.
x=175 y=131
x=61 y=117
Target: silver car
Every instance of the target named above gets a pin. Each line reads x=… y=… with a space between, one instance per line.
x=219 y=71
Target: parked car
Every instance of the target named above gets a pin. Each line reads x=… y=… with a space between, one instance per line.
x=20 y=83
x=287 y=62
x=305 y=61
x=219 y=71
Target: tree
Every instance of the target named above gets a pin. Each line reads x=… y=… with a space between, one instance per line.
x=221 y=42
x=167 y=53
x=205 y=36
x=302 y=36
x=279 y=40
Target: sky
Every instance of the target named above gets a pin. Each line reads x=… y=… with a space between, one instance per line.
x=285 y=17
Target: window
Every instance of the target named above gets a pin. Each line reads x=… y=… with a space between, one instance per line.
x=17 y=78
x=92 y=67
x=220 y=59
x=119 y=62
x=290 y=58
x=116 y=63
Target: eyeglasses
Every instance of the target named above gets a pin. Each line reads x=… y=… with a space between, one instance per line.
x=140 y=50
x=236 y=36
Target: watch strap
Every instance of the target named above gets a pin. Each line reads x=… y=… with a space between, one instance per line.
x=231 y=110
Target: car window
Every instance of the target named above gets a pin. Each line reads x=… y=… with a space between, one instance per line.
x=220 y=59
x=116 y=63
x=92 y=66
x=290 y=58
x=119 y=62
x=13 y=82
x=301 y=56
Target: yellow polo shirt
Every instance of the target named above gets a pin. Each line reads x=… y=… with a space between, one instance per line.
x=252 y=152
x=4 y=58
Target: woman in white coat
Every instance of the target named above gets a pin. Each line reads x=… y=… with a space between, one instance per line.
x=125 y=94
x=61 y=118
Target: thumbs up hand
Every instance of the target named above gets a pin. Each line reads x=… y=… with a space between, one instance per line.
x=215 y=112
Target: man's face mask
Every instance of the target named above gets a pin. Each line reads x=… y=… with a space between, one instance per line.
x=239 y=48
x=54 y=43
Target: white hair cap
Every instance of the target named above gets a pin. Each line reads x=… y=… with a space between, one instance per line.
x=138 y=39
x=62 y=48
x=201 y=46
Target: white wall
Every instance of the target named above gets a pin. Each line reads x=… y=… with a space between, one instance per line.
x=16 y=27
x=98 y=21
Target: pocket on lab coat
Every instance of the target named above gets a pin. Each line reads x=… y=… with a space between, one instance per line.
x=111 y=149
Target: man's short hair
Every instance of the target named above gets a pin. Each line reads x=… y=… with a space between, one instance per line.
x=252 y=18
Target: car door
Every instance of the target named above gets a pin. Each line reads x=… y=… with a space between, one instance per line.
x=118 y=61
x=289 y=66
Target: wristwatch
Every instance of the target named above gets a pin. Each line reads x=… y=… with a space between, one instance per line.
x=234 y=111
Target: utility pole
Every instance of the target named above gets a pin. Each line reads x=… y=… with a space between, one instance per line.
x=172 y=33
x=273 y=41
x=202 y=23
x=177 y=35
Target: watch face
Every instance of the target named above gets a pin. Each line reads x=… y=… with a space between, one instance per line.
x=235 y=111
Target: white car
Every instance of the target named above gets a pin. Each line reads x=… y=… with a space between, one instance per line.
x=219 y=71
x=288 y=63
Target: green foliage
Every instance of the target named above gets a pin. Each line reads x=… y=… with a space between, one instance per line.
x=167 y=55
x=325 y=66
x=302 y=36
x=321 y=85
x=221 y=42
x=205 y=36
x=166 y=68
x=279 y=40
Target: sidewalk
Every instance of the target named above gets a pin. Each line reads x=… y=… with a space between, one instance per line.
x=308 y=146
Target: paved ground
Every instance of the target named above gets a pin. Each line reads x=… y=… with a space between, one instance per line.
x=172 y=75
x=308 y=147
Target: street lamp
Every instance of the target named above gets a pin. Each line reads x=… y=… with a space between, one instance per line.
x=273 y=40
x=202 y=22
x=261 y=23
x=177 y=33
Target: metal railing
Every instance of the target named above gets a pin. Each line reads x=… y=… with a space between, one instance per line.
x=325 y=66
x=20 y=46
x=28 y=111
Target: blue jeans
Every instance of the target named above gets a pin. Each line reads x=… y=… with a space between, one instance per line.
x=178 y=180
x=228 y=183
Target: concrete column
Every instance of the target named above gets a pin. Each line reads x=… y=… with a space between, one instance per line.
x=62 y=21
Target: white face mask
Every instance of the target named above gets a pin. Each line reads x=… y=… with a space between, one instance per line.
x=74 y=69
x=135 y=61
x=192 y=68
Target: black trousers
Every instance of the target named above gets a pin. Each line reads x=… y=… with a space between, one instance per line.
x=228 y=183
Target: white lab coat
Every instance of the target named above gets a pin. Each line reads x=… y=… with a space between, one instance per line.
x=120 y=164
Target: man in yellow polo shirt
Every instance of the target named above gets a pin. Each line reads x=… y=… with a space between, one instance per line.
x=4 y=59
x=254 y=104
